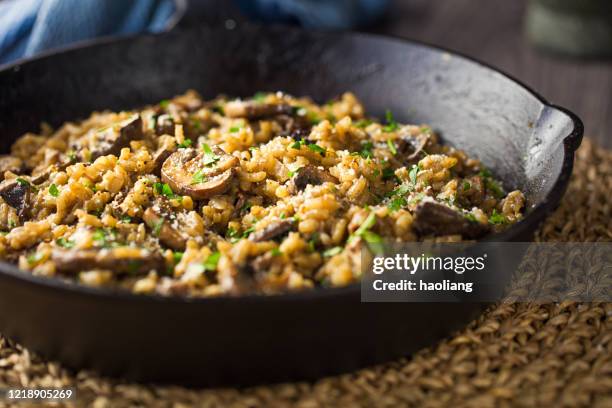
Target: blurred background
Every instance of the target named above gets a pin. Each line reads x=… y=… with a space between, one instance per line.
x=561 y=48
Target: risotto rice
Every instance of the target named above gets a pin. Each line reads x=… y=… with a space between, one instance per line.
x=231 y=196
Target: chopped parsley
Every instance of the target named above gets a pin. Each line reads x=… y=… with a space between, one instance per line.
x=157 y=226
x=297 y=144
x=388 y=173
x=400 y=191
x=392 y=148
x=164 y=189
x=363 y=123
x=366 y=150
x=471 y=217
x=276 y=252
x=22 y=181
x=198 y=177
x=497 y=218
x=397 y=203
x=466 y=185
x=425 y=129
x=235 y=129
x=65 y=243
x=177 y=256
x=164 y=104
x=53 y=190
x=317 y=149
x=35 y=258
x=259 y=97
x=414 y=171
x=126 y=219
x=494 y=188
x=332 y=251
x=209 y=156
x=210 y=264
x=186 y=143
x=103 y=237
x=391 y=123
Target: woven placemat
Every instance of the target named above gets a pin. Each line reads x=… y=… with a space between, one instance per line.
x=513 y=355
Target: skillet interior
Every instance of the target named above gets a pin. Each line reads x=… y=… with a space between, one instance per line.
x=246 y=340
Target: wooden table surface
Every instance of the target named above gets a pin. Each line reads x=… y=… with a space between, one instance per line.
x=492 y=31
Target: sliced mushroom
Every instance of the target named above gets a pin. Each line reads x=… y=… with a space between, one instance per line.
x=114 y=138
x=44 y=175
x=432 y=218
x=256 y=110
x=17 y=194
x=10 y=163
x=273 y=231
x=309 y=175
x=410 y=147
x=471 y=191
x=197 y=175
x=164 y=125
x=164 y=228
x=159 y=157
x=121 y=259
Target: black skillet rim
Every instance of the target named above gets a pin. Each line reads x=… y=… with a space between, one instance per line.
x=571 y=142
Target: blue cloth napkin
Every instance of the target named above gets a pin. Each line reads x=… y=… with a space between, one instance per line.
x=28 y=27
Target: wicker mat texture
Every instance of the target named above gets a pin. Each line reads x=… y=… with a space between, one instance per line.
x=523 y=355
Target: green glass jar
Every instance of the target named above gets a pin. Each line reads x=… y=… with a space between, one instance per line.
x=573 y=27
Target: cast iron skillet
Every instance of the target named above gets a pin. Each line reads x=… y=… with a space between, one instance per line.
x=527 y=142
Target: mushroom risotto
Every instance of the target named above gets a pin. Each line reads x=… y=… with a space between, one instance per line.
x=264 y=194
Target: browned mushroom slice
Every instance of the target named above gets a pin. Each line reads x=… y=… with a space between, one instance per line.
x=471 y=191
x=309 y=175
x=256 y=110
x=112 y=139
x=120 y=259
x=411 y=147
x=166 y=228
x=199 y=175
x=16 y=193
x=164 y=125
x=432 y=218
x=273 y=231
x=159 y=157
x=10 y=163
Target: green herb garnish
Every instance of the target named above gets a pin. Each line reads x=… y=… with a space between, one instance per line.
x=414 y=171
x=276 y=252
x=332 y=251
x=177 y=256
x=198 y=177
x=317 y=149
x=297 y=144
x=157 y=226
x=164 y=189
x=53 y=190
x=497 y=218
x=388 y=173
x=363 y=123
x=34 y=258
x=22 y=181
x=164 y=104
x=392 y=148
x=210 y=264
x=366 y=150
x=397 y=203
x=186 y=143
x=391 y=123
x=259 y=96
x=65 y=243
x=209 y=156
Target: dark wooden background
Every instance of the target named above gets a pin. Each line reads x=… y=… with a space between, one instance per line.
x=492 y=31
